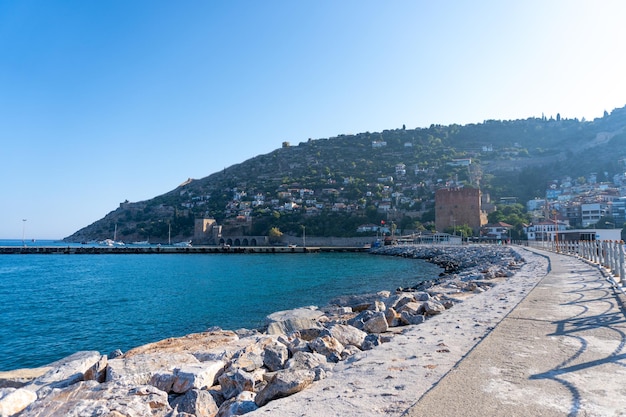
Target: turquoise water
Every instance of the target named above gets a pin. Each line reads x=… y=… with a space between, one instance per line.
x=54 y=305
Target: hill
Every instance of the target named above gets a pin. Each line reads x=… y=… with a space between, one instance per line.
x=332 y=186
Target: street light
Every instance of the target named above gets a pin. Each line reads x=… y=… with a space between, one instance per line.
x=23 y=231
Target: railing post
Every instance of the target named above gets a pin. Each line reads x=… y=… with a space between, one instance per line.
x=582 y=249
x=620 y=247
x=592 y=254
x=616 y=249
x=613 y=259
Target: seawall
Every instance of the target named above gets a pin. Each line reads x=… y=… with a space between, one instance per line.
x=138 y=250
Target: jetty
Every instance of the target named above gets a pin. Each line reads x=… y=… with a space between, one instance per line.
x=528 y=332
x=537 y=344
x=560 y=352
x=138 y=250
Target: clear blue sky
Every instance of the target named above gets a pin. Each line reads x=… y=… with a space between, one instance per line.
x=103 y=101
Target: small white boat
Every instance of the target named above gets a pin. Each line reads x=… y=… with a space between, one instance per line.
x=183 y=244
x=112 y=242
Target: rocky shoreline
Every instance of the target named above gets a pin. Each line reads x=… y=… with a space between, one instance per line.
x=225 y=373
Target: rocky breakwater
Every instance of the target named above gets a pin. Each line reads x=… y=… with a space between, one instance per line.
x=225 y=373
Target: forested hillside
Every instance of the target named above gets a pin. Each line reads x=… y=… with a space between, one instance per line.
x=332 y=186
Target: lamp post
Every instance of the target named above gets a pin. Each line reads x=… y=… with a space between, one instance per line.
x=304 y=236
x=23 y=231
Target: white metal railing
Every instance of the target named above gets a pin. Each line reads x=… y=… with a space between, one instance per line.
x=607 y=254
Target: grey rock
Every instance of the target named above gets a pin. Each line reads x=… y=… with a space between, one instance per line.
x=398 y=300
x=327 y=346
x=97 y=371
x=275 y=356
x=199 y=403
x=360 y=320
x=307 y=360
x=14 y=400
x=432 y=307
x=392 y=317
x=139 y=369
x=115 y=354
x=89 y=398
x=163 y=381
x=361 y=302
x=285 y=322
x=234 y=382
x=421 y=296
x=411 y=308
x=377 y=324
x=349 y=351
x=371 y=341
x=196 y=376
x=67 y=371
x=241 y=404
x=409 y=319
x=347 y=335
x=248 y=358
x=283 y=384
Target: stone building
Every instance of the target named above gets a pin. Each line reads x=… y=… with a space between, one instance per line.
x=206 y=231
x=458 y=207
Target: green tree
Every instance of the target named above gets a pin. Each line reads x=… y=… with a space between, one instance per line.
x=275 y=235
x=463 y=231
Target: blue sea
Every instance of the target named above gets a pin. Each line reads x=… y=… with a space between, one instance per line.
x=54 y=305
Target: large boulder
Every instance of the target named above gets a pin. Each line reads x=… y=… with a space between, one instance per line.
x=393 y=317
x=371 y=341
x=295 y=344
x=275 y=356
x=139 y=369
x=196 y=376
x=315 y=362
x=239 y=405
x=283 y=384
x=248 y=358
x=409 y=318
x=376 y=324
x=411 y=307
x=359 y=320
x=89 y=398
x=234 y=382
x=68 y=371
x=327 y=346
x=347 y=335
x=362 y=302
x=432 y=307
x=199 y=403
x=197 y=344
x=14 y=400
x=285 y=322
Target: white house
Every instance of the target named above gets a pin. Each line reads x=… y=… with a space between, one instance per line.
x=498 y=230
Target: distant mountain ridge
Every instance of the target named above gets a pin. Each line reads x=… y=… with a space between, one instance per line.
x=331 y=186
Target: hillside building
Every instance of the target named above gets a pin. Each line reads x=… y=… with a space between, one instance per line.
x=206 y=230
x=458 y=207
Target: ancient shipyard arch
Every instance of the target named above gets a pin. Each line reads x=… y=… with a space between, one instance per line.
x=243 y=240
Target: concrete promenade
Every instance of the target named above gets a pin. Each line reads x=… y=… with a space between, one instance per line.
x=560 y=352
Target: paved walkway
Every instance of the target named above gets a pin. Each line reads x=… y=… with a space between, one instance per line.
x=560 y=352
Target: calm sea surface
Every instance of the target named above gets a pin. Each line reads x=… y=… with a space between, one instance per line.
x=54 y=305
